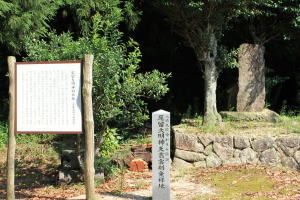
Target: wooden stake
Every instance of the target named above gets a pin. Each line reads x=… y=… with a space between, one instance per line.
x=11 y=131
x=88 y=121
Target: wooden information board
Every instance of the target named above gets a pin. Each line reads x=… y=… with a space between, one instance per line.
x=48 y=97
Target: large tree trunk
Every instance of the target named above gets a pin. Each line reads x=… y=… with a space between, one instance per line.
x=211 y=115
x=251 y=95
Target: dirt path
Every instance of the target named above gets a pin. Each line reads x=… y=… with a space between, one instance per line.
x=180 y=187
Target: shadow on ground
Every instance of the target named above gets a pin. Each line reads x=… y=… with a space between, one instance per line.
x=28 y=175
x=129 y=196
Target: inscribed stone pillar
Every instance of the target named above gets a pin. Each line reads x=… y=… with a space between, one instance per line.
x=161 y=155
x=251 y=94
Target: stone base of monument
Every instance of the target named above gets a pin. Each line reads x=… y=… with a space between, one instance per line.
x=69 y=176
x=71 y=169
x=265 y=115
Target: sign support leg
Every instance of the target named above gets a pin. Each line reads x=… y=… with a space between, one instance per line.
x=88 y=121
x=10 y=184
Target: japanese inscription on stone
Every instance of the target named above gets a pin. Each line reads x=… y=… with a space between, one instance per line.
x=49 y=97
x=161 y=155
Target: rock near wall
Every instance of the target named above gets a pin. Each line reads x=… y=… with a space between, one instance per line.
x=212 y=150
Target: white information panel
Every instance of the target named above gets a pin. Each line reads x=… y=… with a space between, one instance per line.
x=49 y=97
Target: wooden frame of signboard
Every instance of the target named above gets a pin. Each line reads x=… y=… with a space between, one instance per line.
x=87 y=119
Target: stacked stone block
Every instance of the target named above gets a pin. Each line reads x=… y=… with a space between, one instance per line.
x=208 y=150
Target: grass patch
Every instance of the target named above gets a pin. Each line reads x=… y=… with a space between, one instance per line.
x=237 y=184
x=285 y=125
x=248 y=182
x=139 y=140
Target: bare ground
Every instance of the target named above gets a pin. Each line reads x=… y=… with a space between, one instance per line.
x=36 y=170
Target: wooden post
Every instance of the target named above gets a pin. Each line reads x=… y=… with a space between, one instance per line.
x=10 y=184
x=88 y=121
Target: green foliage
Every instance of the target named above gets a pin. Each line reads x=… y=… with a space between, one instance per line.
x=3 y=134
x=111 y=13
x=119 y=90
x=105 y=164
x=107 y=150
x=20 y=18
x=226 y=58
x=138 y=139
x=110 y=143
x=31 y=139
x=132 y=16
x=4 y=7
x=289 y=111
x=272 y=81
x=271 y=19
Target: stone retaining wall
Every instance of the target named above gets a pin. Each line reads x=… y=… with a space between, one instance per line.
x=210 y=150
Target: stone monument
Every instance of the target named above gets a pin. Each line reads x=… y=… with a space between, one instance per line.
x=161 y=155
x=251 y=94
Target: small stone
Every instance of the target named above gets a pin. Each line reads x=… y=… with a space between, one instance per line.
x=226 y=140
x=297 y=156
x=213 y=160
x=241 y=142
x=208 y=149
x=248 y=156
x=188 y=142
x=179 y=163
x=198 y=147
x=68 y=176
x=189 y=156
x=236 y=153
x=138 y=165
x=291 y=142
x=99 y=176
x=224 y=152
x=288 y=145
x=289 y=162
x=69 y=160
x=206 y=139
x=287 y=150
x=64 y=177
x=200 y=164
x=270 y=157
x=262 y=144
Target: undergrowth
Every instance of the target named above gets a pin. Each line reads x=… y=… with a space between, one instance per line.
x=3 y=134
x=287 y=124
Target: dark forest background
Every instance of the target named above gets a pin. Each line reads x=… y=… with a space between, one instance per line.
x=164 y=50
